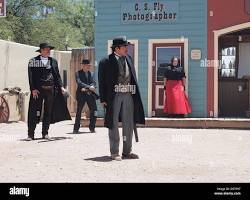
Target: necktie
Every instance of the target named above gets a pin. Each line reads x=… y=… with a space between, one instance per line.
x=87 y=76
x=122 y=64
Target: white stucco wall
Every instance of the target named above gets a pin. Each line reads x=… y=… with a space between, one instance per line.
x=14 y=60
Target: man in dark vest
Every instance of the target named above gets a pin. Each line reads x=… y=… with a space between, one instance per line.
x=120 y=97
x=85 y=93
x=45 y=86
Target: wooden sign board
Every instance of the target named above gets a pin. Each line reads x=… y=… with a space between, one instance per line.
x=2 y=8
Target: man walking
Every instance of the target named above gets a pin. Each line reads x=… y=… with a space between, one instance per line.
x=85 y=93
x=120 y=96
x=45 y=86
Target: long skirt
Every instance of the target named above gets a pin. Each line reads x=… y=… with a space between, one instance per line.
x=176 y=99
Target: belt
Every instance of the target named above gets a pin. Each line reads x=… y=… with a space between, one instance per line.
x=125 y=92
x=47 y=87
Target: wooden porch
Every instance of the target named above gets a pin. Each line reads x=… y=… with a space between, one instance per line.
x=196 y=123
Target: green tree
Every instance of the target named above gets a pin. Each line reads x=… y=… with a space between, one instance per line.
x=63 y=23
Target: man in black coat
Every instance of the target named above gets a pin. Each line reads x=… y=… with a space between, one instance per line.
x=120 y=97
x=85 y=93
x=45 y=86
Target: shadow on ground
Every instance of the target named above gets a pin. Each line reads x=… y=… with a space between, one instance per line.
x=79 y=133
x=52 y=139
x=56 y=139
x=100 y=159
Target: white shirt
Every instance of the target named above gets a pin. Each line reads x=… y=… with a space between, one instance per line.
x=44 y=60
x=127 y=68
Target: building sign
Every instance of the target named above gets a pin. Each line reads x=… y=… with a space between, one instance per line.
x=196 y=54
x=247 y=6
x=2 y=8
x=149 y=12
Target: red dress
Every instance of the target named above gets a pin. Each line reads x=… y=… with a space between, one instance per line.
x=176 y=99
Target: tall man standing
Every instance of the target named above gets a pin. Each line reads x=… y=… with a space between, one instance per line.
x=117 y=78
x=46 y=87
x=85 y=93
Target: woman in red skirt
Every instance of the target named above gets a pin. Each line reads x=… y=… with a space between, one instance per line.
x=176 y=104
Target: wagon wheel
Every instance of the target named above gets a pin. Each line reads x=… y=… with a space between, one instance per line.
x=4 y=111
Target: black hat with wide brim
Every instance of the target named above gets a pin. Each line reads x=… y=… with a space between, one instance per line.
x=120 y=41
x=86 y=62
x=43 y=46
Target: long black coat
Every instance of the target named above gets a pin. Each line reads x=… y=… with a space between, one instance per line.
x=108 y=73
x=60 y=111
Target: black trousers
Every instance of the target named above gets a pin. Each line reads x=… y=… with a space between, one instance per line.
x=91 y=101
x=46 y=96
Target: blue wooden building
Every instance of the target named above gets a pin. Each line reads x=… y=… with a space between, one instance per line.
x=158 y=30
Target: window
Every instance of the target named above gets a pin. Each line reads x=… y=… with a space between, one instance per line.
x=163 y=59
x=247 y=6
x=228 y=62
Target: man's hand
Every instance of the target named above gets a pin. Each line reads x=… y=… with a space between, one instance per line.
x=83 y=90
x=35 y=94
x=63 y=90
x=92 y=88
x=104 y=104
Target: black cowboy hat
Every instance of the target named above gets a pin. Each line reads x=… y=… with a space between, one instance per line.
x=85 y=62
x=43 y=46
x=120 y=41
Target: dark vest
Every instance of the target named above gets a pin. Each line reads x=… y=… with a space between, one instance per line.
x=47 y=78
x=122 y=78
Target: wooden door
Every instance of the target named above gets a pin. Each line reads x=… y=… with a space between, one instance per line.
x=162 y=55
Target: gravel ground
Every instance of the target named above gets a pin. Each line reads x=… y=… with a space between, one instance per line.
x=166 y=155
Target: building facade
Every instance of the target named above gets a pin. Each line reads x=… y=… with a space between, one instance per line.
x=229 y=43
x=193 y=31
